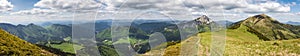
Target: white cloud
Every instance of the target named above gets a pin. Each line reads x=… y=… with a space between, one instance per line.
x=243 y=6
x=35 y=11
x=5 y=6
x=178 y=9
x=266 y=7
x=145 y=4
x=284 y=17
x=298 y=13
x=240 y=6
x=71 y=4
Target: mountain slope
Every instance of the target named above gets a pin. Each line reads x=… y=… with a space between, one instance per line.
x=31 y=33
x=58 y=32
x=266 y=28
x=12 y=45
x=242 y=41
x=242 y=44
x=37 y=34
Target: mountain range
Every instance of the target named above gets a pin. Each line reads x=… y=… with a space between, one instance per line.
x=34 y=33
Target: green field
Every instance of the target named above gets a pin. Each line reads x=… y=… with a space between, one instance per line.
x=67 y=47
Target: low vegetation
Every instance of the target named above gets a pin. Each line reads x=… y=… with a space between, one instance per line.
x=12 y=45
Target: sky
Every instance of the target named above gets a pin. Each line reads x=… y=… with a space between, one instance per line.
x=23 y=4
x=33 y=11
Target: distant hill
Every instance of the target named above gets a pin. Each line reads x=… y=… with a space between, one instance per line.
x=293 y=23
x=31 y=33
x=225 y=22
x=267 y=28
x=34 y=33
x=39 y=34
x=12 y=45
x=59 y=32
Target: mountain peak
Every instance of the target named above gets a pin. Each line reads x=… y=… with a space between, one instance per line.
x=262 y=16
x=260 y=19
x=267 y=28
x=203 y=19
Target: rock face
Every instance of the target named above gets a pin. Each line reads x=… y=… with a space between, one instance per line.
x=267 y=28
x=203 y=20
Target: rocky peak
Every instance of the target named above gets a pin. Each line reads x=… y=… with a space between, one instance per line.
x=203 y=20
x=31 y=24
x=261 y=16
x=20 y=25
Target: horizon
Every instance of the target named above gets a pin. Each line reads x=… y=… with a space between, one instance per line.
x=66 y=22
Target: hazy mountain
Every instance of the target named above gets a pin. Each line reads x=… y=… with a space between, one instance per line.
x=225 y=22
x=99 y=26
x=293 y=23
x=267 y=28
x=31 y=33
x=12 y=45
x=58 y=32
x=48 y=23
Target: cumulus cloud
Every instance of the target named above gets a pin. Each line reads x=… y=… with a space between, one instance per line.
x=240 y=6
x=35 y=11
x=181 y=9
x=265 y=7
x=298 y=13
x=71 y=4
x=146 y=4
x=284 y=17
x=5 y=6
x=244 y=6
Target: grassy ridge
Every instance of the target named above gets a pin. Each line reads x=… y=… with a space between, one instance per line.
x=240 y=42
x=12 y=45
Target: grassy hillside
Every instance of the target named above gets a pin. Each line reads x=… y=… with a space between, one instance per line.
x=12 y=45
x=268 y=28
x=239 y=42
x=67 y=47
x=37 y=34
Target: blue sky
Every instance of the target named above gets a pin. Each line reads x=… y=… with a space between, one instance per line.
x=295 y=8
x=23 y=4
